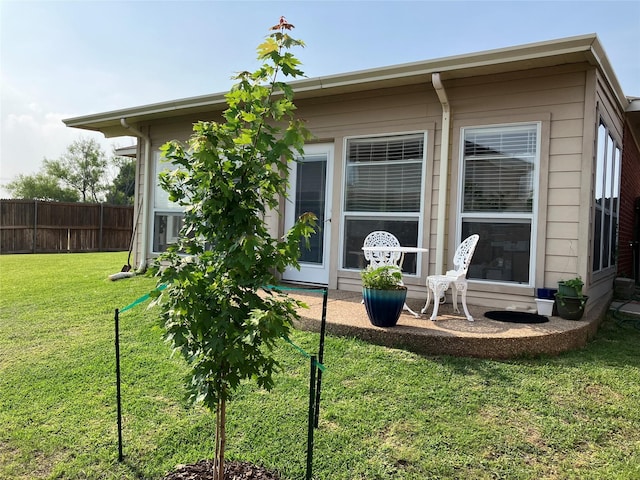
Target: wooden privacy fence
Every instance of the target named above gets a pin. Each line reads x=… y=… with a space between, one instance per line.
x=33 y=226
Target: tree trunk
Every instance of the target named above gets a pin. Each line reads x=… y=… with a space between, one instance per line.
x=218 y=463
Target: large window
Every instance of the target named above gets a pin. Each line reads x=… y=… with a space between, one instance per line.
x=167 y=216
x=383 y=191
x=498 y=196
x=607 y=200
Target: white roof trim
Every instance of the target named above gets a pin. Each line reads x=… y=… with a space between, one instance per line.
x=572 y=49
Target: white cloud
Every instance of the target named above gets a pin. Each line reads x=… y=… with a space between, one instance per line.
x=29 y=133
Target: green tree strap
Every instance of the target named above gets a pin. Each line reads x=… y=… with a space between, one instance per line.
x=303 y=352
x=142 y=299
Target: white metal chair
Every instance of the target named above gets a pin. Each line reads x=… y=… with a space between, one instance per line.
x=376 y=258
x=438 y=284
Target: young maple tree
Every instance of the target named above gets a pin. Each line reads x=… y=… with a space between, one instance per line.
x=215 y=308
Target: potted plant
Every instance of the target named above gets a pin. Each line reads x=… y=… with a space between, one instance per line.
x=384 y=294
x=569 y=300
x=571 y=287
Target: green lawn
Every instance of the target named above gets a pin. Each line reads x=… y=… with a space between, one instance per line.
x=385 y=413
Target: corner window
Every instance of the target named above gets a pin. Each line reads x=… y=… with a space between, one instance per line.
x=499 y=171
x=606 y=201
x=383 y=191
x=167 y=216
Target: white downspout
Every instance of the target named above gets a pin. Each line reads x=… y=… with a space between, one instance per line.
x=444 y=171
x=142 y=264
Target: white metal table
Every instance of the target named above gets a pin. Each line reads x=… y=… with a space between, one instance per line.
x=402 y=250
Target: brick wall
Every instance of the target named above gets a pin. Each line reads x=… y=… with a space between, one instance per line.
x=629 y=191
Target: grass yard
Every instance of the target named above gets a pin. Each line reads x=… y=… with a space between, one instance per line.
x=386 y=414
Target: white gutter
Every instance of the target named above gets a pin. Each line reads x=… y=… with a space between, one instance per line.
x=444 y=171
x=142 y=264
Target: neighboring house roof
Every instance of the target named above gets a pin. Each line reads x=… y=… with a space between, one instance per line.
x=129 y=151
x=584 y=48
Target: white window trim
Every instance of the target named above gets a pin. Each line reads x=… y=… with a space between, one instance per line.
x=419 y=216
x=533 y=216
x=616 y=145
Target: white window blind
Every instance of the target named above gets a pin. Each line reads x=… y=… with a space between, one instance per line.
x=499 y=165
x=384 y=174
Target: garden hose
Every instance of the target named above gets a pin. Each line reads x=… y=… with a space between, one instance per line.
x=624 y=319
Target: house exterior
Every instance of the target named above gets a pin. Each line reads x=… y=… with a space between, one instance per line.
x=528 y=146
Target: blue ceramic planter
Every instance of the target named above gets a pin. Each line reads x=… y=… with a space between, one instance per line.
x=384 y=306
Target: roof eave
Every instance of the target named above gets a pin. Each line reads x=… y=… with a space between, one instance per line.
x=573 y=49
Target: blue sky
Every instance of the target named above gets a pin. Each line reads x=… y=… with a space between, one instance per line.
x=61 y=59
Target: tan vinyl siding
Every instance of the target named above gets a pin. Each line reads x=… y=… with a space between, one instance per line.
x=598 y=285
x=377 y=112
x=372 y=112
x=554 y=97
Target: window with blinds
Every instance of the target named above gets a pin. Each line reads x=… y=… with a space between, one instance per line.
x=384 y=174
x=498 y=195
x=383 y=191
x=498 y=169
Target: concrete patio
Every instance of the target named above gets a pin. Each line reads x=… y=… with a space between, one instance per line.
x=451 y=334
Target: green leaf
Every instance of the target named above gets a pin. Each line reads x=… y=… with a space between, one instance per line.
x=267 y=47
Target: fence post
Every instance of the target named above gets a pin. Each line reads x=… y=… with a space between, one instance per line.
x=323 y=329
x=35 y=226
x=312 y=397
x=118 y=396
x=101 y=224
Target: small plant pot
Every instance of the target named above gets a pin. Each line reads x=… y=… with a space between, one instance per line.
x=547 y=293
x=545 y=306
x=384 y=306
x=568 y=291
x=571 y=308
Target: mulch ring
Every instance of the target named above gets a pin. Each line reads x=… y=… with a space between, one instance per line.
x=203 y=470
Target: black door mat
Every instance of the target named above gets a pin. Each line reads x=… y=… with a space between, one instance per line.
x=515 y=317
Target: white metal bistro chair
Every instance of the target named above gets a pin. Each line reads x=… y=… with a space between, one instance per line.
x=438 y=284
x=376 y=258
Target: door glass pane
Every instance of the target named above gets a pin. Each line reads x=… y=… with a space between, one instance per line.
x=310 y=197
x=503 y=251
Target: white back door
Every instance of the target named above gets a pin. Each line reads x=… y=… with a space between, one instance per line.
x=309 y=191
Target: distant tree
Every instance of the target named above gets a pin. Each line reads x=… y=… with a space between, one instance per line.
x=41 y=186
x=122 y=189
x=82 y=167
